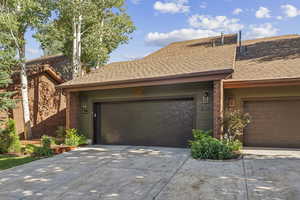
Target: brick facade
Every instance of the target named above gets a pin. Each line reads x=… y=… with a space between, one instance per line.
x=218 y=97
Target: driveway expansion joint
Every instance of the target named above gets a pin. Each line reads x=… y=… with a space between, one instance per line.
x=169 y=180
x=245 y=178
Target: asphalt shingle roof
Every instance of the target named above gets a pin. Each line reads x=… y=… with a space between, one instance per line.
x=269 y=58
x=266 y=58
x=179 y=58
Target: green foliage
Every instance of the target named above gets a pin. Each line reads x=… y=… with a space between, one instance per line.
x=47 y=141
x=234 y=123
x=105 y=26
x=37 y=151
x=29 y=149
x=82 y=140
x=73 y=138
x=7 y=60
x=235 y=145
x=204 y=146
x=9 y=138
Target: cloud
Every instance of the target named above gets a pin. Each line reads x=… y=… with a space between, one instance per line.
x=203 y=5
x=263 y=12
x=290 y=10
x=237 y=11
x=163 y=39
x=174 y=6
x=279 y=17
x=262 y=30
x=217 y=23
x=135 y=1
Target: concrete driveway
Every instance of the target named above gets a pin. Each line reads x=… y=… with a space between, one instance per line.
x=129 y=173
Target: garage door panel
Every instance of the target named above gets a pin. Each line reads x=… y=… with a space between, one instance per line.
x=274 y=123
x=156 y=123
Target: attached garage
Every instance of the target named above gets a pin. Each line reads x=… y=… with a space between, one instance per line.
x=275 y=122
x=159 y=122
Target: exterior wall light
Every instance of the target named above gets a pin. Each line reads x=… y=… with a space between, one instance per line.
x=205 y=98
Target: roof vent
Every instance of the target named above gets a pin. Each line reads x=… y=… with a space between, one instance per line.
x=241 y=49
x=222 y=38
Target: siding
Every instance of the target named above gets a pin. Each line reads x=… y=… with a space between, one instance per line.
x=242 y=93
x=204 y=114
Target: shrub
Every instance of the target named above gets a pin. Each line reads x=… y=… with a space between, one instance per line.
x=47 y=141
x=234 y=123
x=9 y=138
x=204 y=146
x=82 y=140
x=235 y=145
x=38 y=151
x=73 y=138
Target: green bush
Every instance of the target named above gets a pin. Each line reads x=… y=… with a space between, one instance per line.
x=9 y=138
x=73 y=138
x=47 y=141
x=204 y=146
x=235 y=145
x=37 y=151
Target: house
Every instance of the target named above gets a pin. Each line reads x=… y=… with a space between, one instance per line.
x=160 y=98
x=47 y=104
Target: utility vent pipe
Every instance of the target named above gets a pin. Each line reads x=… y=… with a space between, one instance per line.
x=222 y=38
x=240 y=41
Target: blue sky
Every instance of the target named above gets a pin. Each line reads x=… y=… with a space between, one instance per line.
x=160 y=22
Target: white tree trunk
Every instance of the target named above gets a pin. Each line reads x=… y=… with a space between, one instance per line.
x=79 y=45
x=25 y=99
x=74 y=56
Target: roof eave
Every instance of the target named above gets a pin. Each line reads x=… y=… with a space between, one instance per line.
x=164 y=80
x=231 y=84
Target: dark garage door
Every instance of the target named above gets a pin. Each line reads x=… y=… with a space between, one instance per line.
x=275 y=123
x=153 y=122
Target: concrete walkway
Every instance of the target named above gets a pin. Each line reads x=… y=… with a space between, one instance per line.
x=144 y=173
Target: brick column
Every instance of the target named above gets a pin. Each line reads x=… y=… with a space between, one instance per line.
x=72 y=110
x=217 y=108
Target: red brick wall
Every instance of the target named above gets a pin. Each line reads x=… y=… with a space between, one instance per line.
x=217 y=108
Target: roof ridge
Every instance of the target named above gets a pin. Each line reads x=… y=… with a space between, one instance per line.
x=43 y=58
x=203 y=38
x=273 y=37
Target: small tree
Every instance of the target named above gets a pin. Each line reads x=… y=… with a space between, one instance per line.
x=7 y=60
x=9 y=138
x=234 y=123
x=16 y=18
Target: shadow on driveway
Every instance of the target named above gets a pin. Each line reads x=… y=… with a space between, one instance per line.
x=142 y=173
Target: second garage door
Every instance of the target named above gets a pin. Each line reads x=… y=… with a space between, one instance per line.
x=275 y=123
x=152 y=122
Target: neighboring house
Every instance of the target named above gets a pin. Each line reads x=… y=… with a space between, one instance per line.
x=47 y=104
x=59 y=63
x=159 y=99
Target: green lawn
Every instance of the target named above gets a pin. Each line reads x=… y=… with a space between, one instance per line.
x=7 y=161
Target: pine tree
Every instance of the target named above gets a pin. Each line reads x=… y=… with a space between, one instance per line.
x=7 y=61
